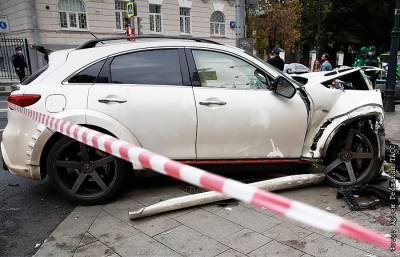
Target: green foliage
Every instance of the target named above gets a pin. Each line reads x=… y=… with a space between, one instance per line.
x=344 y=22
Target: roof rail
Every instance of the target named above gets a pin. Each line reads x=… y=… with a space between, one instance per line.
x=93 y=42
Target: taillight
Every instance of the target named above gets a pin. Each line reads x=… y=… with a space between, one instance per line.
x=23 y=100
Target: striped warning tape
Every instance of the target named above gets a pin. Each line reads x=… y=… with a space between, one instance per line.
x=277 y=204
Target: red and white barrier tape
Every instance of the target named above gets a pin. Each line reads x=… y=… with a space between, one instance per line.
x=280 y=205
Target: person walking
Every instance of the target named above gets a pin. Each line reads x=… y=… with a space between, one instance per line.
x=18 y=60
x=326 y=65
x=275 y=60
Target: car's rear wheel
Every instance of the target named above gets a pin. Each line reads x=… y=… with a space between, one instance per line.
x=352 y=158
x=83 y=174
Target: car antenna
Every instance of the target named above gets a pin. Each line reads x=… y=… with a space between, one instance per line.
x=91 y=33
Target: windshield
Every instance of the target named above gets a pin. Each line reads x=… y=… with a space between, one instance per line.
x=281 y=73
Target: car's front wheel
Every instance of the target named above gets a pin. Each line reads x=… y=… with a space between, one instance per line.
x=83 y=174
x=352 y=158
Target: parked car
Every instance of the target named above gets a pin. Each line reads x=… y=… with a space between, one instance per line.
x=296 y=68
x=191 y=100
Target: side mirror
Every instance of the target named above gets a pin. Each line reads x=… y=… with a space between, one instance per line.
x=284 y=88
x=289 y=71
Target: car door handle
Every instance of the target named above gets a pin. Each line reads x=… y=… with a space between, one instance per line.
x=112 y=100
x=208 y=103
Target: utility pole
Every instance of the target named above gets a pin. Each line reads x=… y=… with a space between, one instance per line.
x=240 y=17
x=391 y=81
x=318 y=28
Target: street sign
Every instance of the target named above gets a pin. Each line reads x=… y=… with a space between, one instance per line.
x=130 y=8
x=4 y=25
x=232 y=24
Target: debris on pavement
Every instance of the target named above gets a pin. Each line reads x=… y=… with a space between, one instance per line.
x=369 y=196
x=288 y=182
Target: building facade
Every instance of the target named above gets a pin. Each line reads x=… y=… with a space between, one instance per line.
x=60 y=24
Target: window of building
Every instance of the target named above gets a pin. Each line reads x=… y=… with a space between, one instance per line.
x=217 y=24
x=72 y=14
x=155 y=18
x=221 y=70
x=185 y=20
x=121 y=15
x=153 y=67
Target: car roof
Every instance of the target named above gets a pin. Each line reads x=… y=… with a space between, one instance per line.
x=125 y=46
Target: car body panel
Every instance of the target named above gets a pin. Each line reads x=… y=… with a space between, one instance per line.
x=250 y=125
x=163 y=118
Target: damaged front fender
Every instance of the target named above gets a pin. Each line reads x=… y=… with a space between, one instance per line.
x=372 y=113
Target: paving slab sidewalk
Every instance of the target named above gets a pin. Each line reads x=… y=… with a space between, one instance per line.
x=219 y=230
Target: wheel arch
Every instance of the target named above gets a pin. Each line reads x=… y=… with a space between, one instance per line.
x=334 y=126
x=94 y=120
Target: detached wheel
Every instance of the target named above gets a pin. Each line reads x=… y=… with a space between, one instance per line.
x=352 y=159
x=83 y=174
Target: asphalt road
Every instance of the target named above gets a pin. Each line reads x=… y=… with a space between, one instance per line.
x=29 y=210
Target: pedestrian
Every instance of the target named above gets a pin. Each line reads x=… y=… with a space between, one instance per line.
x=361 y=59
x=372 y=59
x=316 y=66
x=275 y=60
x=326 y=65
x=18 y=60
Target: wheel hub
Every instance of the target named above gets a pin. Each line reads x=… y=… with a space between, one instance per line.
x=345 y=156
x=87 y=167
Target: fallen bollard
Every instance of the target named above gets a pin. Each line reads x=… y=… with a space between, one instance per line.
x=187 y=201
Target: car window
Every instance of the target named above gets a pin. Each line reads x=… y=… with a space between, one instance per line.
x=225 y=71
x=281 y=73
x=151 y=67
x=89 y=74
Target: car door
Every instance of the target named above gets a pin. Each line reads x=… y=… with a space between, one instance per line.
x=239 y=117
x=149 y=92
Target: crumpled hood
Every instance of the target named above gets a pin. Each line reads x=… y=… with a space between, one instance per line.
x=329 y=104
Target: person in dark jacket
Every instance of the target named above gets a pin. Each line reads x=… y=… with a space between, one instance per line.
x=18 y=60
x=276 y=60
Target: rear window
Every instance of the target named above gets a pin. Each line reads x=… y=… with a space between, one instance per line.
x=151 y=67
x=34 y=76
x=89 y=74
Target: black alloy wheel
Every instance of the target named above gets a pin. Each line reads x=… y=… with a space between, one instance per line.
x=352 y=159
x=84 y=174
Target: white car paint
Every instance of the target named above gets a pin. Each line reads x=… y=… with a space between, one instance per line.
x=254 y=123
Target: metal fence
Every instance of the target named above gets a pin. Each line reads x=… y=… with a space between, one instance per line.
x=7 y=50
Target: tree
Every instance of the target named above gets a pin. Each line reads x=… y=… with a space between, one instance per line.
x=343 y=23
x=277 y=26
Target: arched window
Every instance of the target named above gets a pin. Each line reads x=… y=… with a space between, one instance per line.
x=72 y=14
x=217 y=24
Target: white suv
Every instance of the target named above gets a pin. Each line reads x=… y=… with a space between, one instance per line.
x=191 y=100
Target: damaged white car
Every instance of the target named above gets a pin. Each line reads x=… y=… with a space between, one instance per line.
x=192 y=100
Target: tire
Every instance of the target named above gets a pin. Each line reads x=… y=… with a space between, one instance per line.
x=352 y=158
x=83 y=174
